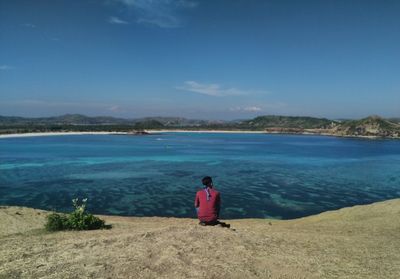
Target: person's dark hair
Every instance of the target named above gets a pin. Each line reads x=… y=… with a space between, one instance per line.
x=207 y=181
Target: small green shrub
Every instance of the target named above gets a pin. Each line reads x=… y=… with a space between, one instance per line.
x=79 y=219
x=56 y=222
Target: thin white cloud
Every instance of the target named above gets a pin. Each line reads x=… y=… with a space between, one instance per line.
x=29 y=25
x=213 y=89
x=165 y=22
x=246 y=109
x=116 y=20
x=5 y=68
x=161 y=13
x=259 y=108
x=252 y=109
x=115 y=108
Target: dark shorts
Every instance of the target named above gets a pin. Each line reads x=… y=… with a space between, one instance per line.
x=215 y=223
x=209 y=223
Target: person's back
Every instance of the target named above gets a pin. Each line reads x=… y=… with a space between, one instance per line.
x=208 y=202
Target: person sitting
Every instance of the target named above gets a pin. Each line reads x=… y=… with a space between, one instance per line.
x=208 y=204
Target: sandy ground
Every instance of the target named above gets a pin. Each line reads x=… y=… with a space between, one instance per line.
x=357 y=242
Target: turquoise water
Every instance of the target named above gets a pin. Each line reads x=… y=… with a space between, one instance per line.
x=258 y=175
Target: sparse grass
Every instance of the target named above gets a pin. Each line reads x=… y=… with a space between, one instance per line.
x=358 y=243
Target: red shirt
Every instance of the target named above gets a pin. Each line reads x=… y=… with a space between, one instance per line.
x=208 y=210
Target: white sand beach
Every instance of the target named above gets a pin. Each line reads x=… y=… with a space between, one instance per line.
x=57 y=134
x=41 y=134
x=206 y=131
x=122 y=133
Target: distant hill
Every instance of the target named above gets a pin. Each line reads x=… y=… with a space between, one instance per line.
x=148 y=124
x=298 y=122
x=370 y=126
x=395 y=120
x=373 y=126
x=256 y=123
x=13 y=120
x=79 y=119
x=177 y=121
x=70 y=119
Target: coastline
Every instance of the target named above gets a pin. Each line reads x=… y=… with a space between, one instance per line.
x=306 y=133
x=44 y=134
x=206 y=131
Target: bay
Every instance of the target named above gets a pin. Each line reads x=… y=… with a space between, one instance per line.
x=258 y=175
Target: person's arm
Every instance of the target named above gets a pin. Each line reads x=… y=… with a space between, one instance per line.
x=197 y=201
x=218 y=204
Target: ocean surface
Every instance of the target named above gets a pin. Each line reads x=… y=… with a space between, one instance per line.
x=258 y=175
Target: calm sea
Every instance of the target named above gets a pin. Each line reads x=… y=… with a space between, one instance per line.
x=258 y=175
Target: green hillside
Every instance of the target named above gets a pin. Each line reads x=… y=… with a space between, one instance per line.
x=373 y=126
x=298 y=122
x=370 y=126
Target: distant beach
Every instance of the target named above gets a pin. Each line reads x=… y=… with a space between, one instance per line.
x=41 y=134
x=56 y=134
x=207 y=131
x=125 y=133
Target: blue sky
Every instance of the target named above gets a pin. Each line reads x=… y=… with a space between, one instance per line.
x=211 y=59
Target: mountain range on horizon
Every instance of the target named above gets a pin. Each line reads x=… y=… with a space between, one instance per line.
x=372 y=126
x=81 y=119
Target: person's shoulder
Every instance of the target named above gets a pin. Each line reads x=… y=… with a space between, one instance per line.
x=216 y=191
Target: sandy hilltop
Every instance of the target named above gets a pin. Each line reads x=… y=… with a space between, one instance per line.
x=356 y=242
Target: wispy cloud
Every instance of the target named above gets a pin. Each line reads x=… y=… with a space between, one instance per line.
x=272 y=107
x=161 y=13
x=116 y=20
x=5 y=68
x=213 y=89
x=28 y=25
x=165 y=22
x=252 y=109
x=115 y=108
x=246 y=109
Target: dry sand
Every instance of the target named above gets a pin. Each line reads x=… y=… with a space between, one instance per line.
x=357 y=242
